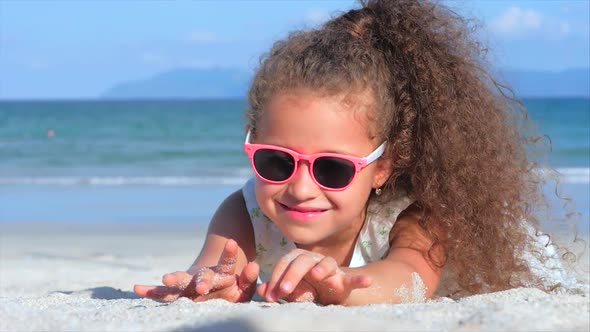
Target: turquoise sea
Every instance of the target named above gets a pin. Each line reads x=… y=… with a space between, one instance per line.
x=175 y=160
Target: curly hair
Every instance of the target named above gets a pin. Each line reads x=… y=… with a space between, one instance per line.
x=454 y=139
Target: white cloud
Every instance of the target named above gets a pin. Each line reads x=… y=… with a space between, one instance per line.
x=37 y=64
x=566 y=9
x=564 y=28
x=164 y=61
x=316 y=16
x=152 y=58
x=202 y=37
x=195 y=63
x=517 y=21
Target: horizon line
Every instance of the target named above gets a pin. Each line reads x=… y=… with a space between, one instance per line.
x=235 y=98
x=126 y=99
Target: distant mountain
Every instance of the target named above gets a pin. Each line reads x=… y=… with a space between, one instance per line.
x=185 y=83
x=233 y=83
x=568 y=83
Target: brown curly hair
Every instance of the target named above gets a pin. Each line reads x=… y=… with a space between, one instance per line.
x=454 y=142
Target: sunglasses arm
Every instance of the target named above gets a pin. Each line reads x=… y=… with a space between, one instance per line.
x=247 y=140
x=376 y=154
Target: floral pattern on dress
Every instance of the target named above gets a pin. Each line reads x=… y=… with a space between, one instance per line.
x=372 y=243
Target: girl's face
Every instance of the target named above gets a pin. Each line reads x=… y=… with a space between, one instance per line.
x=307 y=123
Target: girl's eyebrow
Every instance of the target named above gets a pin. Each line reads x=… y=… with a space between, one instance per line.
x=336 y=151
x=276 y=141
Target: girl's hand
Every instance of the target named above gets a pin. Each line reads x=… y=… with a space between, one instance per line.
x=204 y=283
x=306 y=276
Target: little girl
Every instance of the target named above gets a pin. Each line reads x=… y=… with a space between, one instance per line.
x=383 y=153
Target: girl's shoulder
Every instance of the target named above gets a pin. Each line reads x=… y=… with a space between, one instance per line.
x=410 y=232
x=374 y=237
x=231 y=221
x=390 y=210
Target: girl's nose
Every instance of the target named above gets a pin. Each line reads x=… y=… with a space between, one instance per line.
x=302 y=187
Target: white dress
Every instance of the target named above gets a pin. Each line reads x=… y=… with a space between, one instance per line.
x=372 y=244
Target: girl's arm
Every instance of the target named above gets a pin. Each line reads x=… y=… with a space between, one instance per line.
x=221 y=270
x=393 y=276
x=303 y=275
x=230 y=221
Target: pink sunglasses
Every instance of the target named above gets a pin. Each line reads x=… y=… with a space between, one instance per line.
x=330 y=171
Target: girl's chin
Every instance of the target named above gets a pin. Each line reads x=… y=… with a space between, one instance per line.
x=299 y=233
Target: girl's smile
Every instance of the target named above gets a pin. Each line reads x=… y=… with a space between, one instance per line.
x=302 y=213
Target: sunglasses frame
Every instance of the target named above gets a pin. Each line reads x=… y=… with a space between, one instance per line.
x=358 y=162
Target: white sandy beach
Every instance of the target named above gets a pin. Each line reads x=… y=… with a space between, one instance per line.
x=80 y=278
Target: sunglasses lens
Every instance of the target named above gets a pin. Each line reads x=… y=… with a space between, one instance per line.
x=274 y=165
x=333 y=172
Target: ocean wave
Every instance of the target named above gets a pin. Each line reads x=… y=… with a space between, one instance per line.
x=574 y=175
x=124 y=181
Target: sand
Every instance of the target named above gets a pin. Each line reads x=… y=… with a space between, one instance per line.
x=80 y=278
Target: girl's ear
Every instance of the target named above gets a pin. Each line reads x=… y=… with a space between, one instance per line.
x=382 y=172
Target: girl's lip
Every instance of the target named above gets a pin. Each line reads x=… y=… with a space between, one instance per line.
x=302 y=208
x=302 y=213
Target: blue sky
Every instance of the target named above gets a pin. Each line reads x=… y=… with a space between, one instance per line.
x=78 y=49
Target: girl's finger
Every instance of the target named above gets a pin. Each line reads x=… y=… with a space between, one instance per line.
x=203 y=281
x=177 y=279
x=221 y=281
x=159 y=293
x=326 y=268
x=358 y=281
x=207 y=280
x=277 y=273
x=262 y=289
x=292 y=276
x=228 y=258
x=304 y=292
x=247 y=281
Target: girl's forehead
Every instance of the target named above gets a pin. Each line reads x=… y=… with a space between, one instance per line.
x=311 y=122
x=351 y=97
x=350 y=111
